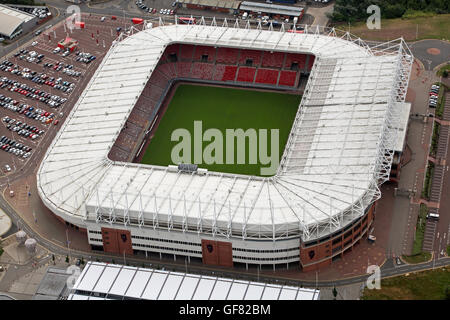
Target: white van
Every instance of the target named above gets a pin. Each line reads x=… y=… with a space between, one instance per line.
x=245 y=15
x=102 y=19
x=433 y=216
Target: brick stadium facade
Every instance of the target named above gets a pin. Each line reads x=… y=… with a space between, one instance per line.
x=313 y=255
x=320 y=204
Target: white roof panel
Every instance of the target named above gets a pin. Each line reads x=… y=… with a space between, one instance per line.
x=154 y=286
x=164 y=285
x=122 y=281
x=139 y=283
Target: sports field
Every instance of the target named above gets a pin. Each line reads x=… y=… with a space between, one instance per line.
x=222 y=108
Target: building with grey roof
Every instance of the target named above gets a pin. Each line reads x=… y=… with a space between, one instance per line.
x=15 y=22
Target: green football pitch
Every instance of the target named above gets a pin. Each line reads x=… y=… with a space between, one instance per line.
x=222 y=108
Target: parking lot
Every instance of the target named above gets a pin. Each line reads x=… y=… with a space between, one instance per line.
x=39 y=85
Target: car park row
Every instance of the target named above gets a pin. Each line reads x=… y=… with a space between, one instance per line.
x=53 y=101
x=28 y=111
x=39 y=78
x=85 y=57
x=30 y=56
x=22 y=128
x=14 y=147
x=434 y=95
x=143 y=7
x=60 y=67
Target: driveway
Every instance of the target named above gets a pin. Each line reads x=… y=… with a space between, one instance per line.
x=320 y=14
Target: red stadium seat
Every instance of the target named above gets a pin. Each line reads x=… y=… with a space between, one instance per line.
x=171 y=49
x=227 y=55
x=204 y=50
x=158 y=78
x=274 y=60
x=184 y=69
x=219 y=72
x=268 y=76
x=298 y=58
x=287 y=78
x=202 y=70
x=253 y=55
x=167 y=70
x=186 y=52
x=246 y=74
x=229 y=73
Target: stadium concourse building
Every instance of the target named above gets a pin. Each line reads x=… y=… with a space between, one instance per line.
x=318 y=205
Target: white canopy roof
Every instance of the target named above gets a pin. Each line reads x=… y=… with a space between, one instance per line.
x=109 y=281
x=333 y=163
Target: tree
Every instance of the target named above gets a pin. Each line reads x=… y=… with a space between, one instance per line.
x=445 y=74
x=67 y=259
x=82 y=261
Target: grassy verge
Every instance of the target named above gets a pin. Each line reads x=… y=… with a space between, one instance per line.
x=427 y=183
x=425 y=285
x=417 y=258
x=414 y=28
x=444 y=68
x=435 y=139
x=420 y=229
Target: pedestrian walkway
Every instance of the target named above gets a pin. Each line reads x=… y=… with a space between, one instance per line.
x=429 y=235
x=446 y=113
x=438 y=177
x=5 y=223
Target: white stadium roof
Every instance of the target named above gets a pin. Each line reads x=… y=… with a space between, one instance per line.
x=333 y=163
x=109 y=281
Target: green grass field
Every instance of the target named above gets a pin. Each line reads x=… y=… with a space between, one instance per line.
x=411 y=29
x=426 y=285
x=222 y=108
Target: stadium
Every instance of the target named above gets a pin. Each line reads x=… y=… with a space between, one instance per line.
x=318 y=205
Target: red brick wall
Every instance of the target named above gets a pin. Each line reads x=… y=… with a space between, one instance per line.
x=117 y=241
x=315 y=253
x=217 y=253
x=317 y=256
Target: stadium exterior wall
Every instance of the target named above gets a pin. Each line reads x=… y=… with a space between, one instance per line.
x=267 y=247
x=251 y=252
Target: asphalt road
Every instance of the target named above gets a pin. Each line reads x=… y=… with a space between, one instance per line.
x=430 y=61
x=388 y=269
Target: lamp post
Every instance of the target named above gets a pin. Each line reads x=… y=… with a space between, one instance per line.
x=67 y=238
